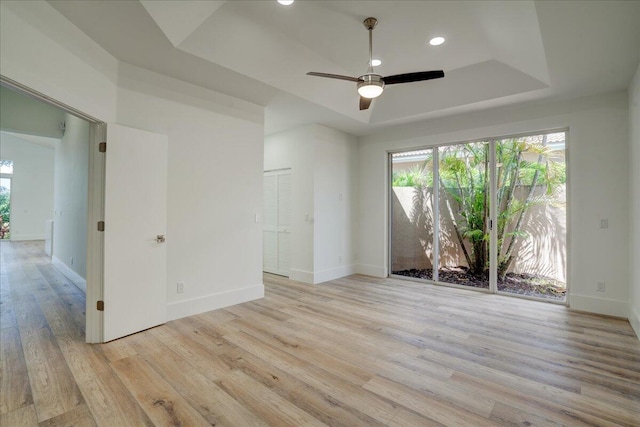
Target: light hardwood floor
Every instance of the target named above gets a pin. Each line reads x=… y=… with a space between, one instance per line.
x=351 y=352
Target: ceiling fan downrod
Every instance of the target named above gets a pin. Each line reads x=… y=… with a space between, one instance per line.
x=370 y=23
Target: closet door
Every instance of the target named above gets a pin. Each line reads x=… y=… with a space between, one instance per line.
x=277 y=222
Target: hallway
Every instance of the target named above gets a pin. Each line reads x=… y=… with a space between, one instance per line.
x=42 y=323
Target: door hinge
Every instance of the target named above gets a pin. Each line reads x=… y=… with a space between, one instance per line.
x=100 y=305
x=100 y=225
x=102 y=147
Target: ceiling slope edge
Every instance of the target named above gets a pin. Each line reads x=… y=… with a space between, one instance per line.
x=178 y=19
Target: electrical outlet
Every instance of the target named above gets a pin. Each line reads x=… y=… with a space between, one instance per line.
x=180 y=287
x=71 y=260
x=604 y=223
x=600 y=286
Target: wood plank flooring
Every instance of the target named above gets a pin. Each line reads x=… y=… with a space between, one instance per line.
x=352 y=352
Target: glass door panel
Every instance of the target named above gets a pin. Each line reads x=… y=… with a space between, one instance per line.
x=5 y=208
x=411 y=201
x=531 y=202
x=464 y=211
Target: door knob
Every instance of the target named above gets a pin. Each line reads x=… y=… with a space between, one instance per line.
x=160 y=238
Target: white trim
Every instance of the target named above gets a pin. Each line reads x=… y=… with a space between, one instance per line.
x=634 y=319
x=493 y=217
x=301 y=275
x=74 y=277
x=22 y=237
x=190 y=307
x=435 y=257
x=371 y=270
x=32 y=93
x=333 y=273
x=609 y=307
x=95 y=239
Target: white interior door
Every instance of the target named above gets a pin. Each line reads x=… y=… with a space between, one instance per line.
x=277 y=222
x=135 y=214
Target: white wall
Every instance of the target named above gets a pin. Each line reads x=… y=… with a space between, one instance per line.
x=295 y=149
x=70 y=199
x=598 y=186
x=41 y=49
x=215 y=161
x=323 y=164
x=335 y=194
x=31 y=186
x=634 y=199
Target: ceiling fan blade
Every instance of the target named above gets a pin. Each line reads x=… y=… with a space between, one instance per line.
x=413 y=77
x=365 y=103
x=334 y=76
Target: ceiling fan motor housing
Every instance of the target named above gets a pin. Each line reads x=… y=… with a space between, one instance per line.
x=370 y=85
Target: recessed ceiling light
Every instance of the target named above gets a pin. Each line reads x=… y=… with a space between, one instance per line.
x=285 y=2
x=375 y=62
x=436 y=41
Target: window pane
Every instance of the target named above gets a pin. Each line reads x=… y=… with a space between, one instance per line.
x=464 y=209
x=6 y=166
x=531 y=175
x=412 y=214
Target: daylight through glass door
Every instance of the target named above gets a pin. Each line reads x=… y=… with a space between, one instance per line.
x=442 y=215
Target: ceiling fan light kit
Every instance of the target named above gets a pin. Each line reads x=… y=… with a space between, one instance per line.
x=371 y=85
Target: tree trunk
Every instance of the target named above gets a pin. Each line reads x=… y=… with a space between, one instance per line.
x=508 y=256
x=455 y=227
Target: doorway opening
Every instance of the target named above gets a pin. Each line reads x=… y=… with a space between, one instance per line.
x=79 y=180
x=488 y=215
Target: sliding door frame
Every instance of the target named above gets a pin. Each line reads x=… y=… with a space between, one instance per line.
x=493 y=230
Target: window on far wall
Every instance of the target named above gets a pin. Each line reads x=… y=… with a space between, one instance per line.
x=6 y=166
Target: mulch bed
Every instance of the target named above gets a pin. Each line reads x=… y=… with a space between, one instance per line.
x=515 y=283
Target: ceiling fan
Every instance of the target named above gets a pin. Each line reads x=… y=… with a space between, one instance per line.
x=370 y=85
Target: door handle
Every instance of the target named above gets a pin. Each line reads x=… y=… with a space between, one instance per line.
x=160 y=238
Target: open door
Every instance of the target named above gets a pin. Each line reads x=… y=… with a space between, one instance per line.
x=135 y=217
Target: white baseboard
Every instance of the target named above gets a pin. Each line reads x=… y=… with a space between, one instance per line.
x=301 y=276
x=190 y=307
x=609 y=307
x=23 y=237
x=75 y=278
x=371 y=270
x=634 y=319
x=333 y=273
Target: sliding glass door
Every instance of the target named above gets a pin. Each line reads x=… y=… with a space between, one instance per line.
x=464 y=213
x=483 y=214
x=412 y=199
x=531 y=211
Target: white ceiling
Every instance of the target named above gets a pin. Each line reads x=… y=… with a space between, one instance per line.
x=496 y=53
